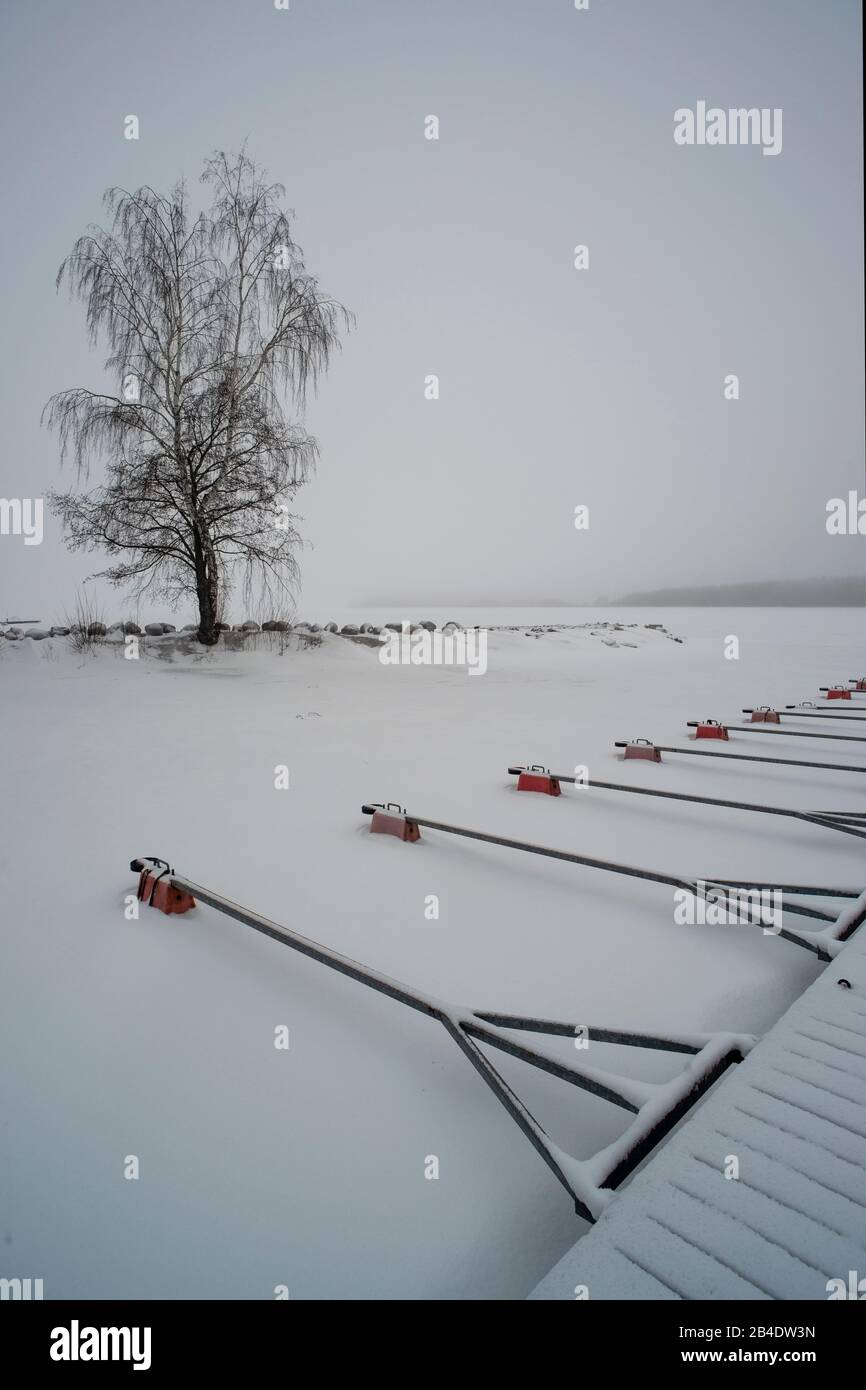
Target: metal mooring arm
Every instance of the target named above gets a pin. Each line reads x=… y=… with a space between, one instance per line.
x=654 y=1107
x=782 y=733
x=824 y=943
x=747 y=757
x=808 y=710
x=848 y=822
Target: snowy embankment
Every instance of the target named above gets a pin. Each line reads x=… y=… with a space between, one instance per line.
x=306 y=1167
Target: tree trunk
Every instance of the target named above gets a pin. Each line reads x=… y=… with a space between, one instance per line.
x=207 y=592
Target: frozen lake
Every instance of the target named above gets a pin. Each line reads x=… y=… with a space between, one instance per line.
x=154 y=1038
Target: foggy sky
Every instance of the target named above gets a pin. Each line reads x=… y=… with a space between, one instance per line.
x=558 y=387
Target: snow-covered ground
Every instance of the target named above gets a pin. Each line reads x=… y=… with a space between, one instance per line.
x=306 y=1168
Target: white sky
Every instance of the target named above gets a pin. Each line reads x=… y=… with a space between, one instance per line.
x=558 y=387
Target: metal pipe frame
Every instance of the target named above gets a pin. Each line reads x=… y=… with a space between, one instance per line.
x=824 y=943
x=848 y=822
x=589 y=1182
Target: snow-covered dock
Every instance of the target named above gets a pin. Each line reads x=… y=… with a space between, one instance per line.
x=790 y=1122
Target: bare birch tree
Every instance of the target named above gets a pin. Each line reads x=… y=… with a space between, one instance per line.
x=216 y=331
